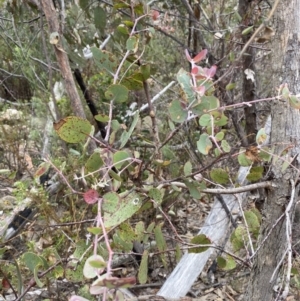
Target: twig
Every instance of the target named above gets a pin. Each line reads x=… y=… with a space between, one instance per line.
x=157 y=96
x=267 y=236
x=100 y=222
x=171 y=135
x=167 y=218
x=62 y=176
x=267 y=184
x=190 y=246
x=245 y=103
x=246 y=224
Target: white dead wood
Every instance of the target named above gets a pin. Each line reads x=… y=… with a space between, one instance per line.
x=216 y=227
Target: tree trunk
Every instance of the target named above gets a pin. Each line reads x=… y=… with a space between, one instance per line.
x=248 y=87
x=63 y=60
x=285 y=133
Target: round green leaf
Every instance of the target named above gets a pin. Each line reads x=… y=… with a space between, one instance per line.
x=156 y=195
x=194 y=188
x=265 y=154
x=104 y=60
x=145 y=70
x=221 y=120
x=201 y=108
x=119 y=159
x=32 y=260
x=219 y=136
x=225 y=146
x=73 y=129
x=213 y=101
x=123 y=29
x=238 y=238
x=94 y=162
x=204 y=144
x=184 y=79
x=205 y=120
x=226 y=264
x=111 y=202
x=255 y=174
x=129 y=205
x=187 y=169
x=132 y=44
x=243 y=160
x=219 y=176
x=95 y=230
x=91 y=266
x=221 y=262
x=177 y=112
x=230 y=86
x=132 y=83
x=252 y=222
x=101 y=118
x=261 y=136
x=200 y=239
x=118 y=93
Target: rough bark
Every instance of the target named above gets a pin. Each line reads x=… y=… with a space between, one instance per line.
x=248 y=87
x=285 y=132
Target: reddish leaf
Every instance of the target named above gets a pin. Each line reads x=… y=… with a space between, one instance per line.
x=42 y=169
x=195 y=70
x=200 y=56
x=211 y=71
x=200 y=90
x=155 y=15
x=91 y=196
x=5 y=283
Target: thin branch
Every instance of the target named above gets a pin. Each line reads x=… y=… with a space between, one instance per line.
x=267 y=184
x=167 y=218
x=43 y=63
x=246 y=224
x=267 y=236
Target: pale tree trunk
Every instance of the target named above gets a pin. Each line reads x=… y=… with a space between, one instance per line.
x=285 y=132
x=63 y=60
x=63 y=63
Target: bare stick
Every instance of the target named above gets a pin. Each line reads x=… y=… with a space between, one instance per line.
x=267 y=184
